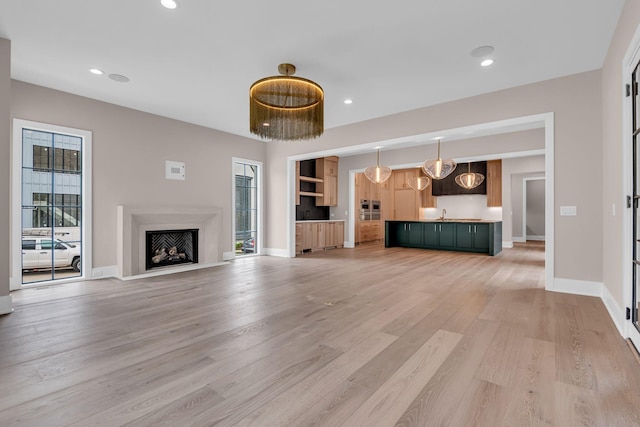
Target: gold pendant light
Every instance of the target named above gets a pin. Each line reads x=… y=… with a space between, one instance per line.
x=377 y=174
x=286 y=108
x=469 y=179
x=438 y=168
x=419 y=183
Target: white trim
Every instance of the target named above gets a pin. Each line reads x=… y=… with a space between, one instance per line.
x=5 y=304
x=534 y=237
x=282 y=253
x=507 y=244
x=228 y=256
x=616 y=313
x=260 y=189
x=15 y=281
x=631 y=58
x=518 y=239
x=292 y=182
x=104 y=272
x=578 y=287
x=171 y=270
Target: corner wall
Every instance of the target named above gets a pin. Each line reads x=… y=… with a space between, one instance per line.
x=614 y=163
x=5 y=168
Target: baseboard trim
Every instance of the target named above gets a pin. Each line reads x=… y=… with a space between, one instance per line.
x=104 y=272
x=539 y=238
x=577 y=287
x=616 y=312
x=507 y=244
x=518 y=239
x=5 y=304
x=282 y=253
x=228 y=256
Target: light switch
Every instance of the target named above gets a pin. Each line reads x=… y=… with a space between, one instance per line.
x=568 y=211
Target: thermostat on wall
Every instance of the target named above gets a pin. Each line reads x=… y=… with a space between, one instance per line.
x=174 y=170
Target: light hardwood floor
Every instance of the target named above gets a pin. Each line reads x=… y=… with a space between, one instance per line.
x=364 y=337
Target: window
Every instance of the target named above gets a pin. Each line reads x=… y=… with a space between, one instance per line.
x=246 y=217
x=28 y=244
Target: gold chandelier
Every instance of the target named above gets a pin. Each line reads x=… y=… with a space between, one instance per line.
x=286 y=108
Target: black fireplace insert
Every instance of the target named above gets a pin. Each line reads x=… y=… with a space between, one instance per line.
x=171 y=247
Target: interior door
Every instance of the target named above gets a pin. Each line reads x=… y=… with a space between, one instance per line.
x=635 y=101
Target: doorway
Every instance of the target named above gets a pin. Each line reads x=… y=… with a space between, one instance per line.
x=51 y=212
x=533 y=210
x=247 y=184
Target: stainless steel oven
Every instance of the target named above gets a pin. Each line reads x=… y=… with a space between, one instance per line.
x=369 y=210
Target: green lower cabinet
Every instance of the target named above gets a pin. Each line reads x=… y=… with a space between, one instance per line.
x=431 y=235
x=447 y=235
x=481 y=237
x=451 y=236
x=409 y=234
x=472 y=237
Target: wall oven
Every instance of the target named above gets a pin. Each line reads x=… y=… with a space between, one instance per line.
x=369 y=210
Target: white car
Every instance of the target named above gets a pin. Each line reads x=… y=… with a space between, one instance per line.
x=38 y=253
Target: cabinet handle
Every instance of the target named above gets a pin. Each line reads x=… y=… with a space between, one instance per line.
x=469 y=229
x=475 y=228
x=409 y=227
x=440 y=227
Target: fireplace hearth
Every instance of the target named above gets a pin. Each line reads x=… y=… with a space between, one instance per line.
x=171 y=247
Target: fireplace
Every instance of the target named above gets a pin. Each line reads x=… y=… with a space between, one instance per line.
x=171 y=247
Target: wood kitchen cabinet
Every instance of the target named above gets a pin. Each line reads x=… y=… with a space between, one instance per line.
x=327 y=172
x=369 y=231
x=401 y=178
x=405 y=204
x=319 y=235
x=494 y=183
x=366 y=189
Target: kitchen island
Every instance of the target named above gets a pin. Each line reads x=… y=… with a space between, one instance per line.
x=465 y=235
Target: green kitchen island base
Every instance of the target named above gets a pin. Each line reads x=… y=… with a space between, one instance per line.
x=451 y=235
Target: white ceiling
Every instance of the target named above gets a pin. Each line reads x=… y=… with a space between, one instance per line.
x=196 y=63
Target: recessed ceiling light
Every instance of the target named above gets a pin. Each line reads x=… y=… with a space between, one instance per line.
x=266 y=124
x=169 y=4
x=348 y=101
x=96 y=71
x=119 y=78
x=486 y=62
x=482 y=51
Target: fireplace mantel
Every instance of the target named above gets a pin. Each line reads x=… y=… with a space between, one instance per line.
x=134 y=221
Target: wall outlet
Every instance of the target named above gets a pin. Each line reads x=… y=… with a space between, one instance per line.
x=568 y=210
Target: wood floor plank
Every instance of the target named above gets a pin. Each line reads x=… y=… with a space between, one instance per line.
x=330 y=338
x=391 y=399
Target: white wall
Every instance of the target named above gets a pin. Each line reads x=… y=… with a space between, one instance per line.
x=129 y=153
x=463 y=206
x=5 y=174
x=615 y=165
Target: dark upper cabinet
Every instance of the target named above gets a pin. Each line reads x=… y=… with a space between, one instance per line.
x=448 y=186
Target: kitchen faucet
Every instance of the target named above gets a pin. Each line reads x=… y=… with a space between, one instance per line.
x=444 y=211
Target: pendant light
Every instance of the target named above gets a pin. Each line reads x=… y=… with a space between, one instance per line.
x=419 y=183
x=470 y=179
x=439 y=169
x=377 y=174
